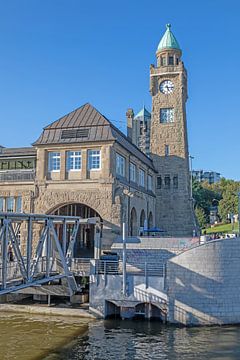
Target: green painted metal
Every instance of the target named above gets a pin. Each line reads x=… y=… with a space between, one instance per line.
x=143 y=113
x=168 y=40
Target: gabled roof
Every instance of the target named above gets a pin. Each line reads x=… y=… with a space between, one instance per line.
x=83 y=116
x=84 y=125
x=168 y=40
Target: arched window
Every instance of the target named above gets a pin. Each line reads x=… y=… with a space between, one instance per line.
x=142 y=218
x=150 y=220
x=133 y=222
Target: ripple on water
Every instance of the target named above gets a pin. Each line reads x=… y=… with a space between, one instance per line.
x=30 y=337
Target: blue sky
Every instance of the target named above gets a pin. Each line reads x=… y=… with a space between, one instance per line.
x=56 y=55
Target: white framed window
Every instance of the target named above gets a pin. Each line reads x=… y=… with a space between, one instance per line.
x=141 y=177
x=1 y=204
x=150 y=182
x=19 y=204
x=10 y=204
x=74 y=160
x=120 y=165
x=54 y=161
x=94 y=159
x=166 y=115
x=133 y=171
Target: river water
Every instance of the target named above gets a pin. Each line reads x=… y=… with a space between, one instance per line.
x=33 y=337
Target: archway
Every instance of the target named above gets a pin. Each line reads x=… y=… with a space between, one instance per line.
x=84 y=245
x=150 y=220
x=142 y=218
x=133 y=223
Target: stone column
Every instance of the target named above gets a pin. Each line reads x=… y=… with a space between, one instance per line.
x=63 y=154
x=84 y=164
x=41 y=164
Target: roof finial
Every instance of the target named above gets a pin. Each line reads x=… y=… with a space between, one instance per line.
x=168 y=26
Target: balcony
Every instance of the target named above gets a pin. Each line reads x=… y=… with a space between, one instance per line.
x=17 y=176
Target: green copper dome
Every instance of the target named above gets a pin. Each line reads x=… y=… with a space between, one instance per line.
x=168 y=40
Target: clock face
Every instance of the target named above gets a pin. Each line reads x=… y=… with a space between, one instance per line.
x=166 y=87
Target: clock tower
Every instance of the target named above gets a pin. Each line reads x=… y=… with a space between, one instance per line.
x=169 y=144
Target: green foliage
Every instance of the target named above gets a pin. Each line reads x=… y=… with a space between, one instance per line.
x=225 y=228
x=224 y=194
x=228 y=204
x=201 y=217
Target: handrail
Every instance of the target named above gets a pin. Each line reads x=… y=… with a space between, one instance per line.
x=114 y=267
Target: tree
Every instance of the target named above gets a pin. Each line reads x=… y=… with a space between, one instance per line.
x=201 y=216
x=204 y=197
x=228 y=204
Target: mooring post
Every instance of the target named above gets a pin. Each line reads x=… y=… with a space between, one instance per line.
x=124 y=261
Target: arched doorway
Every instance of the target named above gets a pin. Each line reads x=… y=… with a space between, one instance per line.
x=142 y=218
x=84 y=245
x=150 y=220
x=133 y=223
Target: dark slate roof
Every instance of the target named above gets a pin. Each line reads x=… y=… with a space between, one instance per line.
x=17 y=152
x=96 y=127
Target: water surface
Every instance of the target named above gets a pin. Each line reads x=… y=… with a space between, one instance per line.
x=33 y=337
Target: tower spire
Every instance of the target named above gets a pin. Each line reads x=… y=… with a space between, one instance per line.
x=168 y=40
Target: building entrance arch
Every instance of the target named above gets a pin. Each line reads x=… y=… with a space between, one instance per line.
x=84 y=245
x=133 y=223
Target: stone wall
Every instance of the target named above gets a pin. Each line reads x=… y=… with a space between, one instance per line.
x=203 y=284
x=173 y=204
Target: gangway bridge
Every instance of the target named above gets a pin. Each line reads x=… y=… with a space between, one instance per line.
x=45 y=255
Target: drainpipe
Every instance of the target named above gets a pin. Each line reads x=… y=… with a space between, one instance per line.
x=124 y=261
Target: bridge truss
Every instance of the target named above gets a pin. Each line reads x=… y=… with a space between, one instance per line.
x=45 y=253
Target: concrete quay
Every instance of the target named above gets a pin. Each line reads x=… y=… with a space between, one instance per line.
x=45 y=310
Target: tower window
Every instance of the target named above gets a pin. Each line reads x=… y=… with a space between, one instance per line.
x=167 y=150
x=163 y=61
x=166 y=115
x=159 y=182
x=175 y=182
x=167 y=181
x=171 y=60
x=177 y=61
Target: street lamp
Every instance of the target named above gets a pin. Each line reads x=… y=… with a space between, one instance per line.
x=191 y=178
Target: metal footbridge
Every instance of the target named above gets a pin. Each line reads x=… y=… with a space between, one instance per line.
x=45 y=254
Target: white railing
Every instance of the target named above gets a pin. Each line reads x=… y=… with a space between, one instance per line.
x=80 y=266
x=142 y=269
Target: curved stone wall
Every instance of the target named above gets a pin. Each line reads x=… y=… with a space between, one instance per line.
x=203 y=284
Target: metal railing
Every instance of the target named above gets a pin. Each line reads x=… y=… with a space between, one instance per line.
x=142 y=269
x=17 y=176
x=80 y=266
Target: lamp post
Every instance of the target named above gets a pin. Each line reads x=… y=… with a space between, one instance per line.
x=191 y=178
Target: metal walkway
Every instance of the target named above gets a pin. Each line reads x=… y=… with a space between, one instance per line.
x=44 y=255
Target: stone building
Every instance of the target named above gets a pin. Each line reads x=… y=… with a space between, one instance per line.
x=138 y=129
x=83 y=165
x=169 y=144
